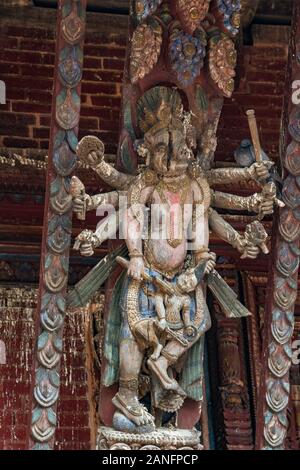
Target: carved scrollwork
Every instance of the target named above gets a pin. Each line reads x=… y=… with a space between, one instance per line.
x=43 y=424
x=277 y=397
x=279 y=362
x=274 y=431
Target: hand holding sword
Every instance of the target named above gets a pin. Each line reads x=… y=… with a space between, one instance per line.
x=268 y=194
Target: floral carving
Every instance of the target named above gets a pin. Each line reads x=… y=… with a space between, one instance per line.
x=146 y=44
x=192 y=12
x=187 y=53
x=222 y=62
x=231 y=10
x=145 y=8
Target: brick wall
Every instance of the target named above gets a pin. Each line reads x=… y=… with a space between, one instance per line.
x=76 y=411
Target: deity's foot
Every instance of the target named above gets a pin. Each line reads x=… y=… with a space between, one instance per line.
x=123 y=424
x=162 y=375
x=132 y=409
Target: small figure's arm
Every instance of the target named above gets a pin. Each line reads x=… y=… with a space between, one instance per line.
x=160 y=310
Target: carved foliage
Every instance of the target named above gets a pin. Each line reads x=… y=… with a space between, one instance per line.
x=145 y=49
x=55 y=268
x=231 y=11
x=222 y=63
x=187 y=54
x=192 y=12
x=145 y=8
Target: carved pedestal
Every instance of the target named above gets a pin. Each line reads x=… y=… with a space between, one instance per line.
x=161 y=439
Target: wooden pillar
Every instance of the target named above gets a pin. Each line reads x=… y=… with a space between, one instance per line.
x=274 y=390
x=57 y=223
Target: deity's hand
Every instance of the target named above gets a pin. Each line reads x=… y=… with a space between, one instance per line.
x=162 y=324
x=263 y=203
x=136 y=268
x=86 y=242
x=189 y=330
x=93 y=159
x=82 y=204
x=211 y=262
x=260 y=171
x=248 y=250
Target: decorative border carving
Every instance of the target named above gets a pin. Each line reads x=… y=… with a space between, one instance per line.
x=58 y=221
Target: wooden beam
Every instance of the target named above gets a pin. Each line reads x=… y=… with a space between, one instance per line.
x=57 y=223
x=274 y=389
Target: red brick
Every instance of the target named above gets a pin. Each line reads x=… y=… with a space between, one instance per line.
x=100 y=51
x=30 y=83
x=32 y=33
x=99 y=88
x=27 y=57
x=45 y=120
x=102 y=76
x=37 y=45
x=73 y=419
x=262 y=88
x=14 y=119
x=20 y=131
x=41 y=133
x=44 y=144
x=19 y=143
x=8 y=69
x=105 y=101
x=9 y=43
x=28 y=107
x=37 y=70
x=113 y=64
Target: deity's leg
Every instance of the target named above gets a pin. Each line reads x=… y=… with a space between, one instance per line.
x=126 y=400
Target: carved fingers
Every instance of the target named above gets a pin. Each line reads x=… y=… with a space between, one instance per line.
x=81 y=204
x=136 y=268
x=211 y=262
x=260 y=171
x=93 y=159
x=86 y=242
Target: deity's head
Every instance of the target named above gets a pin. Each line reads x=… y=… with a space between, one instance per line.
x=168 y=137
x=187 y=281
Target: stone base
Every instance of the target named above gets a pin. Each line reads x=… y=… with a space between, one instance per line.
x=160 y=439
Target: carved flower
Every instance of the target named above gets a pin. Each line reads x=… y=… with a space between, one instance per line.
x=222 y=62
x=231 y=10
x=187 y=53
x=146 y=44
x=192 y=12
x=144 y=8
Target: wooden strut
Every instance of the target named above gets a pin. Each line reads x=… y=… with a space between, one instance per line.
x=274 y=391
x=51 y=306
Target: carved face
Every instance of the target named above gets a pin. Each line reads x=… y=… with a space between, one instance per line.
x=170 y=154
x=187 y=282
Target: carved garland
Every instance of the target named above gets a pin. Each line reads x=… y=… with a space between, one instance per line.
x=57 y=235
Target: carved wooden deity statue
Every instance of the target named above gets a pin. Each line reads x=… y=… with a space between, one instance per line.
x=180 y=65
x=154 y=333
